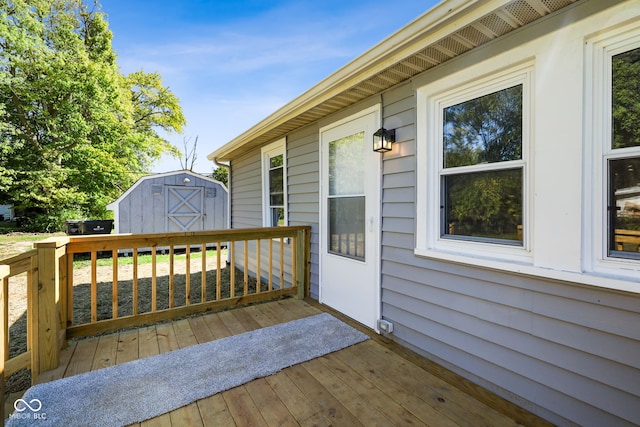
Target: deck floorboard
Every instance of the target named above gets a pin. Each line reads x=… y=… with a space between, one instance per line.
x=369 y=384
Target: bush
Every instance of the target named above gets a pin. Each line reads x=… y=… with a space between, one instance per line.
x=47 y=222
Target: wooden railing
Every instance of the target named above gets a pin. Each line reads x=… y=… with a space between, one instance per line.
x=83 y=285
x=631 y=237
x=18 y=357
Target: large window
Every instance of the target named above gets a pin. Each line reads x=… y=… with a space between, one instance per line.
x=473 y=167
x=274 y=194
x=623 y=157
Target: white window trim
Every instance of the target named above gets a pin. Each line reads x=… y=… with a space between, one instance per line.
x=599 y=51
x=274 y=149
x=431 y=100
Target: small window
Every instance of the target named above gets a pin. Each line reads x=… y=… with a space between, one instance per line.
x=482 y=175
x=623 y=159
x=274 y=185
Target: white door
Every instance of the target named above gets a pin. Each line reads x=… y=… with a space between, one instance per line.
x=349 y=218
x=185 y=208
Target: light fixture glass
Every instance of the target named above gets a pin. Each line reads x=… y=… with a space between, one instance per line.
x=383 y=139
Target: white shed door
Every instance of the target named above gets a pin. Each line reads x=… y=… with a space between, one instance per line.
x=185 y=208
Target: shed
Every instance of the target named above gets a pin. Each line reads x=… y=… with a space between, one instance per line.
x=6 y=212
x=171 y=202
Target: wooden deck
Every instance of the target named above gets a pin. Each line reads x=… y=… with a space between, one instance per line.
x=372 y=383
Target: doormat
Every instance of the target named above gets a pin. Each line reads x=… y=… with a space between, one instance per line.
x=139 y=390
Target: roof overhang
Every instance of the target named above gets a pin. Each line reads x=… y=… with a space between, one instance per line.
x=451 y=28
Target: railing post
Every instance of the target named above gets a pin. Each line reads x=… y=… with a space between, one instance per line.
x=48 y=322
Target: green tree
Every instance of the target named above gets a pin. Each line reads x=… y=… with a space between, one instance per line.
x=221 y=174
x=74 y=131
x=626 y=99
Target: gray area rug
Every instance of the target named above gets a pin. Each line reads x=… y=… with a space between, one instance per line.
x=135 y=391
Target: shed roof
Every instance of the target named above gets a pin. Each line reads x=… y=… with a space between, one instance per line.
x=114 y=204
x=449 y=29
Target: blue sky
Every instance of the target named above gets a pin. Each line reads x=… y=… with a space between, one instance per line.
x=232 y=63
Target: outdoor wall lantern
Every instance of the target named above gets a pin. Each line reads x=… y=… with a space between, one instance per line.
x=383 y=139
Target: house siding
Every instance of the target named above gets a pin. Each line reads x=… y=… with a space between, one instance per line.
x=567 y=352
x=246 y=190
x=303 y=190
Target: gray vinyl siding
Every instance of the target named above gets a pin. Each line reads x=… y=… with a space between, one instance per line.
x=567 y=352
x=303 y=190
x=246 y=190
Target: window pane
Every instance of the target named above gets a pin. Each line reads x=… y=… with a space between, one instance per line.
x=346 y=226
x=484 y=130
x=624 y=205
x=276 y=161
x=346 y=173
x=276 y=199
x=275 y=181
x=484 y=205
x=277 y=217
x=626 y=99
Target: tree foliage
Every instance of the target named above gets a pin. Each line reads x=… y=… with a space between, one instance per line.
x=221 y=174
x=74 y=131
x=626 y=99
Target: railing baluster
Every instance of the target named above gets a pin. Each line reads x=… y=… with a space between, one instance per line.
x=270 y=265
x=294 y=260
x=219 y=270
x=232 y=271
x=94 y=287
x=172 y=280
x=258 y=272
x=246 y=267
x=154 y=280
x=187 y=277
x=114 y=294
x=203 y=272
x=282 y=284
x=134 y=285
